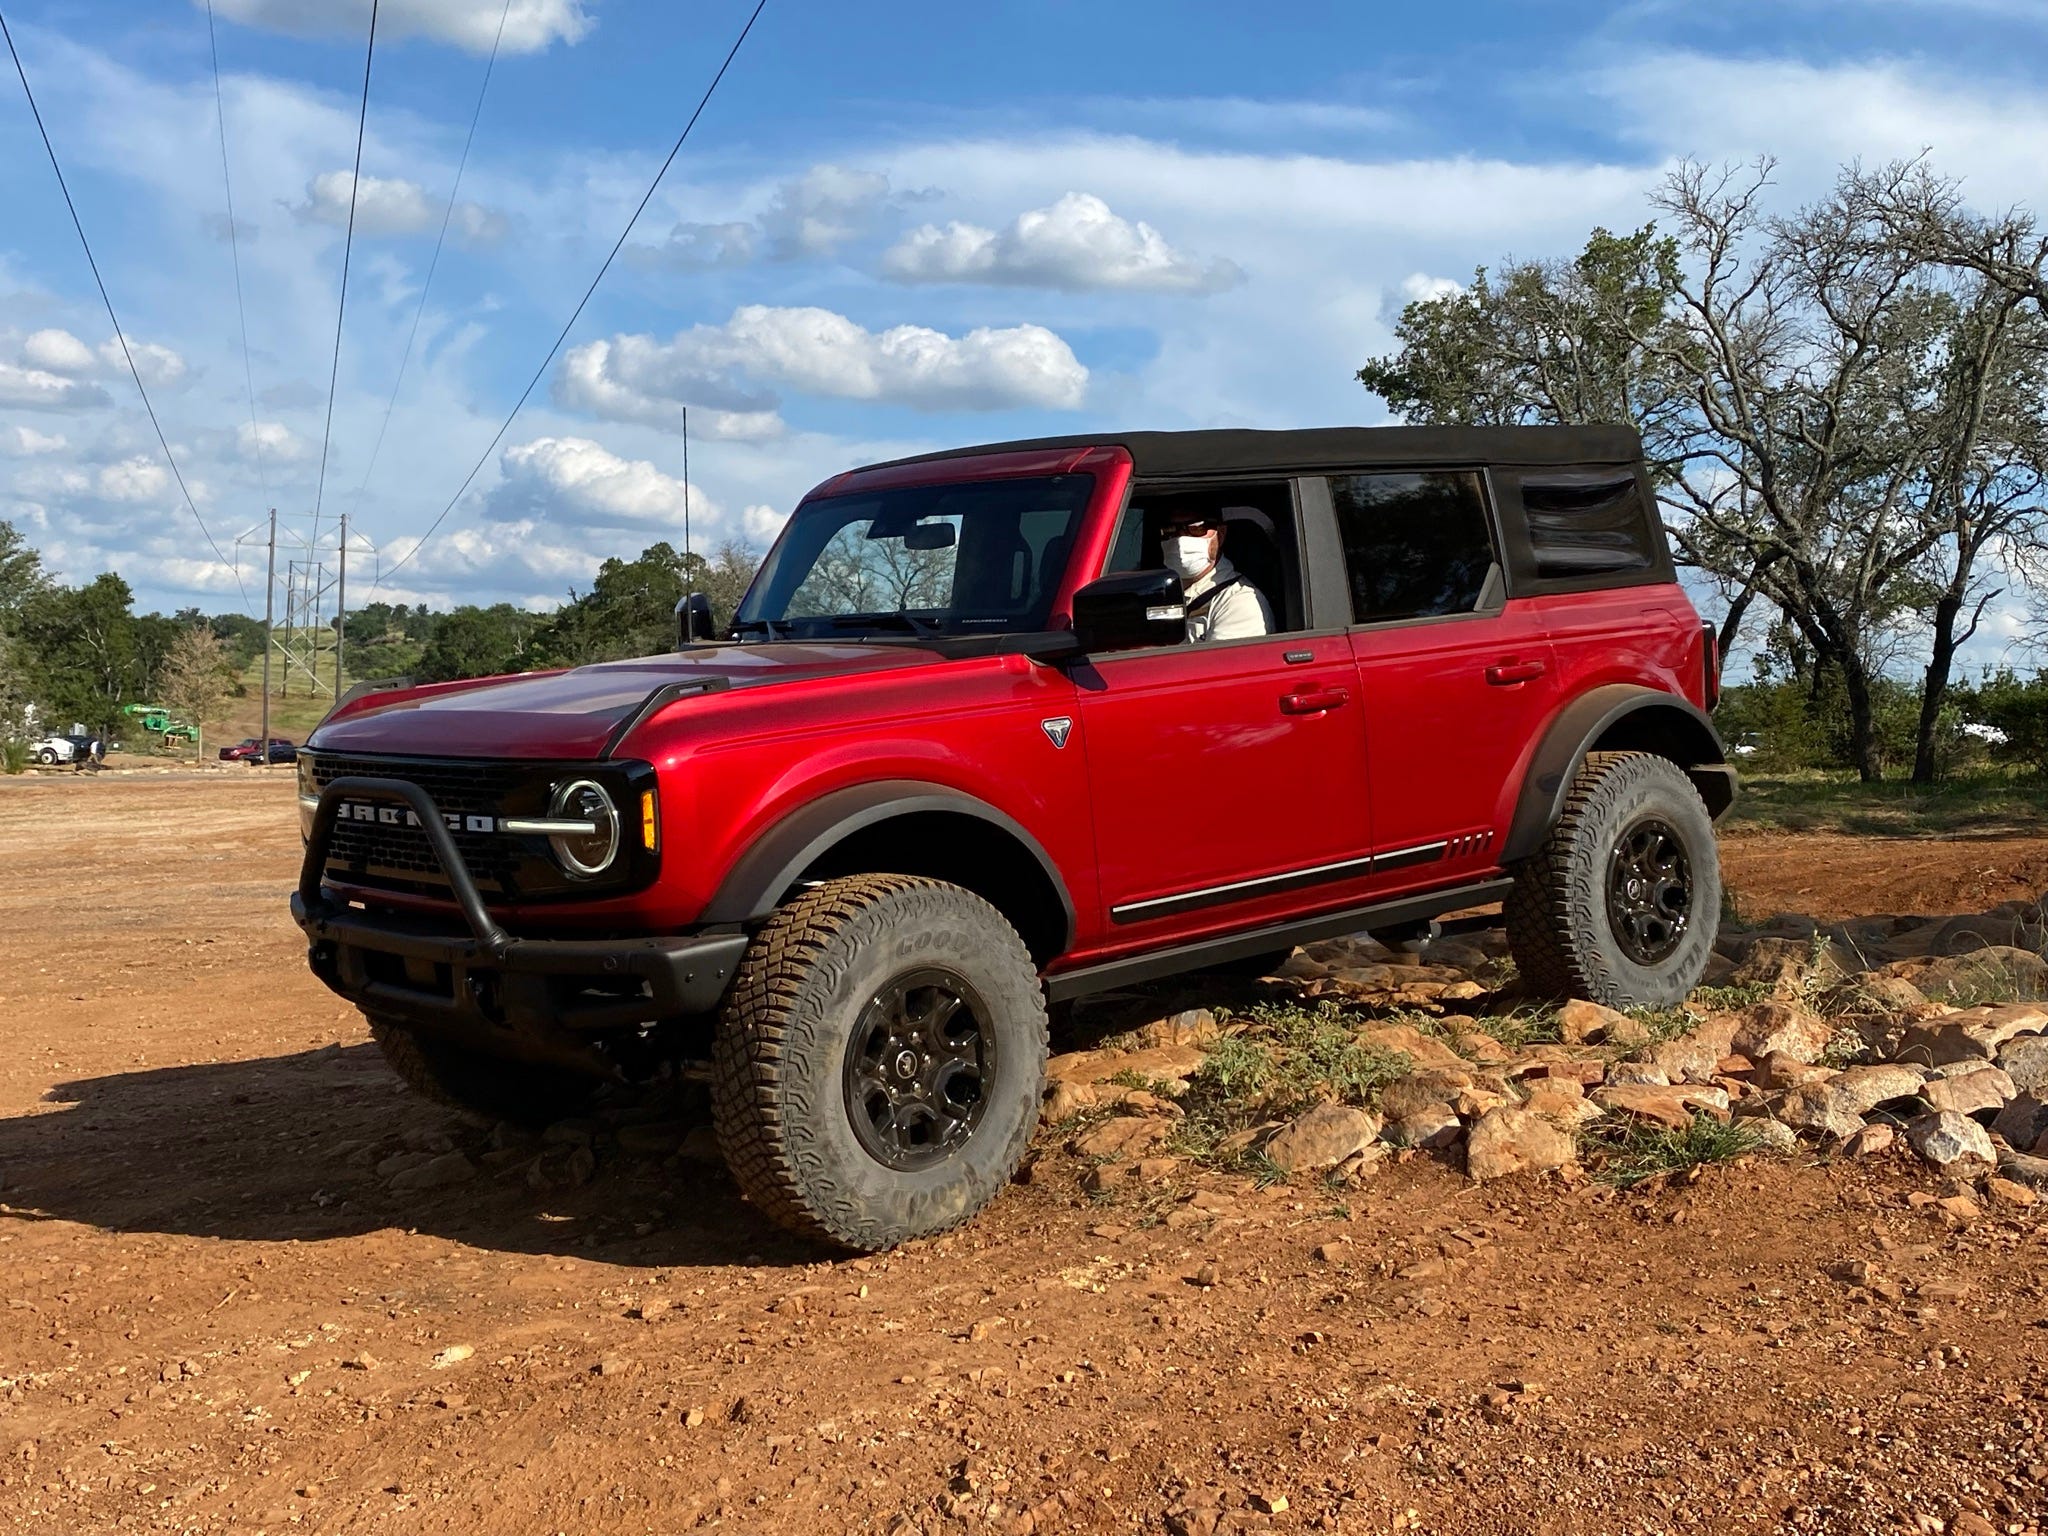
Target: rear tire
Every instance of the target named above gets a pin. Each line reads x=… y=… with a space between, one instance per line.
x=1621 y=903
x=877 y=1073
x=492 y=1086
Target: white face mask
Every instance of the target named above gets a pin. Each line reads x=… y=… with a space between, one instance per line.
x=1187 y=556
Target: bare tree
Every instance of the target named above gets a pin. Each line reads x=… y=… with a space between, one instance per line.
x=197 y=678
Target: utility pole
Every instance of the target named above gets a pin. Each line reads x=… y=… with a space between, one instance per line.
x=689 y=561
x=269 y=596
x=340 y=603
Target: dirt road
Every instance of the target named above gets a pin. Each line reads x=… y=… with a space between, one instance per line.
x=220 y=1315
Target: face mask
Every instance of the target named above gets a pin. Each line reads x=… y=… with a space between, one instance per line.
x=1187 y=556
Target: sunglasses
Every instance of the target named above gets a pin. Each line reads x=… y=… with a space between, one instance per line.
x=1191 y=525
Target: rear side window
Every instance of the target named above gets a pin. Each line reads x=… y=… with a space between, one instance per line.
x=1587 y=524
x=1415 y=545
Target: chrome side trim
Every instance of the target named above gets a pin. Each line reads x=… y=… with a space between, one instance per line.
x=1266 y=885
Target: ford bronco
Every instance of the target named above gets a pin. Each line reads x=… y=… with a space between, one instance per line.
x=956 y=759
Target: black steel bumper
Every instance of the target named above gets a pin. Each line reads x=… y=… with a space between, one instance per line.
x=526 y=996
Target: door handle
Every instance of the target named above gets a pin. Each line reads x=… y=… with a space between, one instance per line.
x=1314 y=701
x=1503 y=674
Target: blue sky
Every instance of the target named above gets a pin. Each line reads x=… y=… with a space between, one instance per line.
x=897 y=227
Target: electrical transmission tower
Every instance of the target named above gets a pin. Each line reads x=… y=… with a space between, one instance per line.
x=306 y=641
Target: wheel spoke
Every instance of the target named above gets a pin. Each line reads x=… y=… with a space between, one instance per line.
x=1649 y=891
x=919 y=1068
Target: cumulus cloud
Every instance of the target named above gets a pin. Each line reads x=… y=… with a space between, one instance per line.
x=1420 y=287
x=140 y=479
x=1077 y=244
x=24 y=442
x=159 y=366
x=817 y=352
x=576 y=481
x=390 y=205
x=58 y=351
x=699 y=248
x=530 y=25
x=37 y=389
x=269 y=440
x=821 y=210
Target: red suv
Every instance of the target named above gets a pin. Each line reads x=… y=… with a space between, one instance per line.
x=958 y=757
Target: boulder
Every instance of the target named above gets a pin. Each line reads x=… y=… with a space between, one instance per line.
x=1995 y=969
x=1642 y=1074
x=1512 y=1140
x=1781 y=1071
x=1582 y=1023
x=2025 y=1061
x=1323 y=1137
x=1694 y=1056
x=1864 y=1088
x=1771 y=1135
x=1970 y=1093
x=2023 y=1121
x=1674 y=1108
x=1781 y=1029
x=1430 y=1128
x=1195 y=1026
x=1818 y=1108
x=1971 y=1034
x=1947 y=1139
x=1124 y=1136
x=1870 y=1141
x=2023 y=1169
x=1423 y=1051
x=1788 y=965
x=1560 y=1101
x=1420 y=1091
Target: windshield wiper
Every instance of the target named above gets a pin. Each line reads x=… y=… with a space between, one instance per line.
x=922 y=628
x=764 y=626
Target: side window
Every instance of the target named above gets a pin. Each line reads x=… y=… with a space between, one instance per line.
x=1415 y=545
x=1587 y=524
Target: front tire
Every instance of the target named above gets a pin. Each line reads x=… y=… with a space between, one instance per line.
x=494 y=1087
x=47 y=757
x=1621 y=903
x=877 y=1073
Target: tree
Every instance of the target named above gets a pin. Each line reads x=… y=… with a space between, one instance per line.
x=21 y=573
x=478 y=642
x=630 y=608
x=81 y=646
x=198 y=677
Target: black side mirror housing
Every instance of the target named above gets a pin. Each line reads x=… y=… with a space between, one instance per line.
x=693 y=619
x=1131 y=609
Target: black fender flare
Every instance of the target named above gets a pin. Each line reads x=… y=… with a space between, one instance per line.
x=1647 y=719
x=779 y=857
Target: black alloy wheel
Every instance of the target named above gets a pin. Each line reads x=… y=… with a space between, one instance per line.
x=920 y=1068
x=1649 y=891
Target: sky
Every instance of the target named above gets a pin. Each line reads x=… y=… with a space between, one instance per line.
x=895 y=228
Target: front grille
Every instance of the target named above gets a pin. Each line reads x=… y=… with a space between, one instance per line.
x=400 y=857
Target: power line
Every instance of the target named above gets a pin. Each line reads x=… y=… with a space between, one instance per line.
x=348 y=242
x=234 y=250
x=120 y=335
x=676 y=149
x=427 y=286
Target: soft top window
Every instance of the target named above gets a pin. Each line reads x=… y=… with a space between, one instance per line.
x=1590 y=523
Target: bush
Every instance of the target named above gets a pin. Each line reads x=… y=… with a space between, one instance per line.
x=13 y=757
x=2020 y=710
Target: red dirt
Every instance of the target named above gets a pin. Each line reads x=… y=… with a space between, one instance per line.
x=219 y=1318
x=1831 y=877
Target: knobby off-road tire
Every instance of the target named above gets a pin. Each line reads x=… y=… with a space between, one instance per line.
x=802 y=1093
x=1597 y=911
x=491 y=1086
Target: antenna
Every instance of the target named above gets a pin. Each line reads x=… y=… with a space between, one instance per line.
x=689 y=569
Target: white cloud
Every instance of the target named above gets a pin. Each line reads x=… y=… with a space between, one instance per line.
x=759 y=524
x=58 y=351
x=269 y=441
x=159 y=366
x=699 y=247
x=23 y=442
x=821 y=210
x=1076 y=244
x=818 y=352
x=36 y=389
x=530 y=25
x=389 y=205
x=575 y=481
x=1420 y=287
x=139 y=479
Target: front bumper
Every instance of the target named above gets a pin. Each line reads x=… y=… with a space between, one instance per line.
x=517 y=996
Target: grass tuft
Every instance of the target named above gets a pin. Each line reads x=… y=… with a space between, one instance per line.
x=1627 y=1154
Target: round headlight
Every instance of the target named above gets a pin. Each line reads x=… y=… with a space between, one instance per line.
x=585 y=853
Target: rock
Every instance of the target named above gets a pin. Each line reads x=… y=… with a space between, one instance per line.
x=1771 y=1135
x=1424 y=1051
x=1995 y=969
x=1412 y=1096
x=1971 y=1093
x=1323 y=1137
x=1582 y=1023
x=1781 y=1071
x=582 y=1167
x=1781 y=1029
x=454 y=1354
x=1693 y=1056
x=1788 y=965
x=1869 y=1141
x=2025 y=1061
x=1124 y=1136
x=1196 y=1026
x=1819 y=1108
x=1972 y=1034
x=443 y=1172
x=1641 y=1074
x=1430 y=1129
x=1864 y=1088
x=2006 y=1192
x=1065 y=1100
x=2022 y=1169
x=1170 y=1064
x=2023 y=1122
x=1560 y=1101
x=1157 y=1170
x=1510 y=1140
x=401 y=1162
x=1675 y=1108
x=653 y=1138
x=1946 y=1138
x=571 y=1133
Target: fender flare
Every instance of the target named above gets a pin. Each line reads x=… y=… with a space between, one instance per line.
x=1685 y=735
x=778 y=858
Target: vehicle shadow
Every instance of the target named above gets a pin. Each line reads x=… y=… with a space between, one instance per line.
x=301 y=1148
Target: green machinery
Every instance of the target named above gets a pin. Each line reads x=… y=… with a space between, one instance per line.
x=158 y=721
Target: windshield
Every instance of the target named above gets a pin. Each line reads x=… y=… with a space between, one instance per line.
x=981 y=556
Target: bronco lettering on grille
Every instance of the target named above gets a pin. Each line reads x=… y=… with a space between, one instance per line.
x=400 y=816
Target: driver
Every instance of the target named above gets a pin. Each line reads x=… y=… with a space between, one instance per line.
x=1222 y=605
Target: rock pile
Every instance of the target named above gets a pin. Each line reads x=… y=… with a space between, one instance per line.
x=1849 y=1039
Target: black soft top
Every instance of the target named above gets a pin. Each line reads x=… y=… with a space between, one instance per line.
x=1242 y=451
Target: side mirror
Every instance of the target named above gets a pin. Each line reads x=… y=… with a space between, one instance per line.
x=693 y=619
x=1131 y=608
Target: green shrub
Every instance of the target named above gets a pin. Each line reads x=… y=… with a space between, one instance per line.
x=13 y=757
x=1628 y=1153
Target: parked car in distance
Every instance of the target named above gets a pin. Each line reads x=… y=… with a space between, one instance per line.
x=250 y=750
x=970 y=747
x=87 y=750
x=51 y=750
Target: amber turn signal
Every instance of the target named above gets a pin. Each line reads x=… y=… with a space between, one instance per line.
x=650 y=831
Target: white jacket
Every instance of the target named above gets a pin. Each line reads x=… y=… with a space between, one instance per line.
x=1238 y=612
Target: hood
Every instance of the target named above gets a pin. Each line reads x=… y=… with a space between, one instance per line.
x=572 y=714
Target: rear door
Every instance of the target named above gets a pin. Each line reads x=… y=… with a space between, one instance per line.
x=1456 y=680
